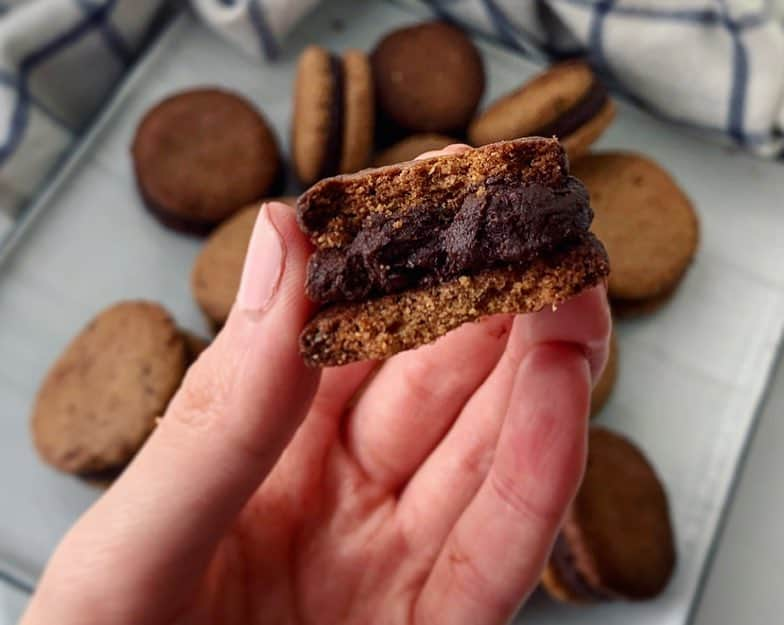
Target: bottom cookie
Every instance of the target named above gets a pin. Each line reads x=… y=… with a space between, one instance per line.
x=381 y=327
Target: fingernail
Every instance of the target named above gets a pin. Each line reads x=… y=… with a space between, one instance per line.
x=263 y=265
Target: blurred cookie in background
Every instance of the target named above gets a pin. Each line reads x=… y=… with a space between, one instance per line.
x=333 y=120
x=99 y=401
x=429 y=78
x=215 y=277
x=646 y=222
x=200 y=154
x=617 y=539
x=567 y=101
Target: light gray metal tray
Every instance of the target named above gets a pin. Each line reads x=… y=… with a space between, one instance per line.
x=692 y=376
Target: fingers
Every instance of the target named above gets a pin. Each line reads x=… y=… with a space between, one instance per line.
x=455 y=148
x=415 y=397
x=238 y=407
x=494 y=555
x=452 y=474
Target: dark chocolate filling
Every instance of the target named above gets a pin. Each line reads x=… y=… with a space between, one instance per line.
x=565 y=566
x=502 y=225
x=585 y=109
x=333 y=147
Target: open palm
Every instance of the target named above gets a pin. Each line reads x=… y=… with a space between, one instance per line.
x=426 y=490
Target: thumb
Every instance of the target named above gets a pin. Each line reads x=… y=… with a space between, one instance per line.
x=225 y=429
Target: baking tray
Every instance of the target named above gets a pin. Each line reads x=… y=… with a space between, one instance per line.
x=691 y=377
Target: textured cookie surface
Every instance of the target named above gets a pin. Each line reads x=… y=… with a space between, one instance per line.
x=429 y=77
x=99 y=401
x=201 y=155
x=332 y=211
x=359 y=112
x=604 y=387
x=215 y=277
x=315 y=91
x=645 y=220
x=411 y=147
x=618 y=528
x=381 y=327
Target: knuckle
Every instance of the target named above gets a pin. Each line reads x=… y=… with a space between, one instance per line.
x=471 y=581
x=507 y=490
x=202 y=398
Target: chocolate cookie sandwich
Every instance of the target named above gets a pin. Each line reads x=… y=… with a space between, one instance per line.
x=333 y=122
x=408 y=252
x=617 y=540
x=567 y=101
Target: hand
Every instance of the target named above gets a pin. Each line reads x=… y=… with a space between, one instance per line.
x=428 y=489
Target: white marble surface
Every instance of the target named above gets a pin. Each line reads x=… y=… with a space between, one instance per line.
x=691 y=376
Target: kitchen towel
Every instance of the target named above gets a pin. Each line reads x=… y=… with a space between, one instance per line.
x=709 y=64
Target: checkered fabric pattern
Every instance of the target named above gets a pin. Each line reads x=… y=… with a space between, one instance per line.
x=709 y=64
x=58 y=61
x=715 y=65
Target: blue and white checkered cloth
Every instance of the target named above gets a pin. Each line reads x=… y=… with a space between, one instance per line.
x=711 y=64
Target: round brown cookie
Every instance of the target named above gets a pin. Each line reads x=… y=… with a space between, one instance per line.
x=617 y=539
x=604 y=387
x=429 y=77
x=411 y=147
x=99 y=401
x=215 y=277
x=645 y=221
x=566 y=100
x=201 y=154
x=333 y=121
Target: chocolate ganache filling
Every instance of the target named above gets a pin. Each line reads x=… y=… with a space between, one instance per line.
x=563 y=562
x=333 y=146
x=585 y=109
x=503 y=224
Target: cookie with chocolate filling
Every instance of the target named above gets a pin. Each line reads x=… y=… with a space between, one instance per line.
x=201 y=155
x=406 y=253
x=411 y=147
x=617 y=540
x=215 y=277
x=332 y=126
x=566 y=101
x=429 y=78
x=648 y=224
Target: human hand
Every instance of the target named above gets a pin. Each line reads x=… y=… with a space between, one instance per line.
x=427 y=489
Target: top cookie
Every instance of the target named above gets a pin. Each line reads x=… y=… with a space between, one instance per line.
x=566 y=101
x=645 y=220
x=99 y=401
x=201 y=155
x=429 y=77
